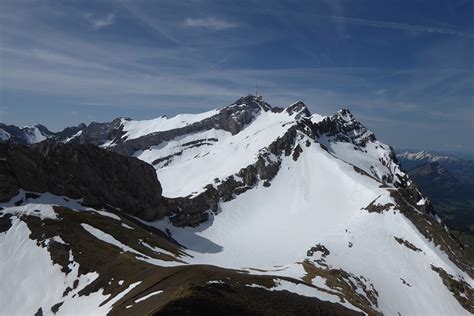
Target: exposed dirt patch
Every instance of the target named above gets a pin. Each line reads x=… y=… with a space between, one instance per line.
x=407 y=244
x=296 y=152
x=463 y=293
x=237 y=299
x=374 y=207
x=324 y=253
x=166 y=160
x=345 y=286
x=405 y=282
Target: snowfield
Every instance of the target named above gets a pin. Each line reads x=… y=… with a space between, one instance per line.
x=4 y=135
x=222 y=155
x=318 y=200
x=134 y=129
x=25 y=267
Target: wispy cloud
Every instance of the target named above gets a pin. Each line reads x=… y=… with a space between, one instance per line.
x=53 y=63
x=148 y=20
x=401 y=26
x=210 y=23
x=101 y=22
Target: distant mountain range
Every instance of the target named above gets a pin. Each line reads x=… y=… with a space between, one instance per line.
x=461 y=169
x=27 y=135
x=245 y=209
x=449 y=183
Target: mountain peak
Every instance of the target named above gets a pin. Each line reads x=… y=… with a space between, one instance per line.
x=426 y=156
x=344 y=127
x=254 y=102
x=345 y=114
x=300 y=108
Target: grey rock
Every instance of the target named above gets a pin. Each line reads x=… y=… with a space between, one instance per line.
x=343 y=127
x=100 y=177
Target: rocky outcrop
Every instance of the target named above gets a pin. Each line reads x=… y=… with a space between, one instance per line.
x=424 y=218
x=343 y=127
x=100 y=177
x=299 y=108
x=462 y=291
x=68 y=132
x=100 y=133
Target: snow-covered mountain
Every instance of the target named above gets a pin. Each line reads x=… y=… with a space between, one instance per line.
x=33 y=134
x=259 y=206
x=413 y=159
x=449 y=183
x=461 y=169
x=25 y=134
x=424 y=156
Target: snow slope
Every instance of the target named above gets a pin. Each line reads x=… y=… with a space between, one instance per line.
x=4 y=135
x=222 y=154
x=27 y=264
x=134 y=129
x=318 y=200
x=27 y=135
x=33 y=134
x=26 y=267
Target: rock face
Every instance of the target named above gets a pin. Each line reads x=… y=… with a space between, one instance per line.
x=99 y=133
x=100 y=177
x=343 y=127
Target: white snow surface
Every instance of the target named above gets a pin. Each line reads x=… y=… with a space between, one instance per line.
x=194 y=168
x=111 y=215
x=319 y=199
x=42 y=206
x=367 y=159
x=73 y=136
x=4 y=135
x=148 y=296
x=135 y=129
x=33 y=134
x=26 y=267
x=99 y=234
x=425 y=155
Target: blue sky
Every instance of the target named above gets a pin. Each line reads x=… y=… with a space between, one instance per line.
x=404 y=68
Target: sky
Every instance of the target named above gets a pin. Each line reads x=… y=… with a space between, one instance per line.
x=404 y=68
